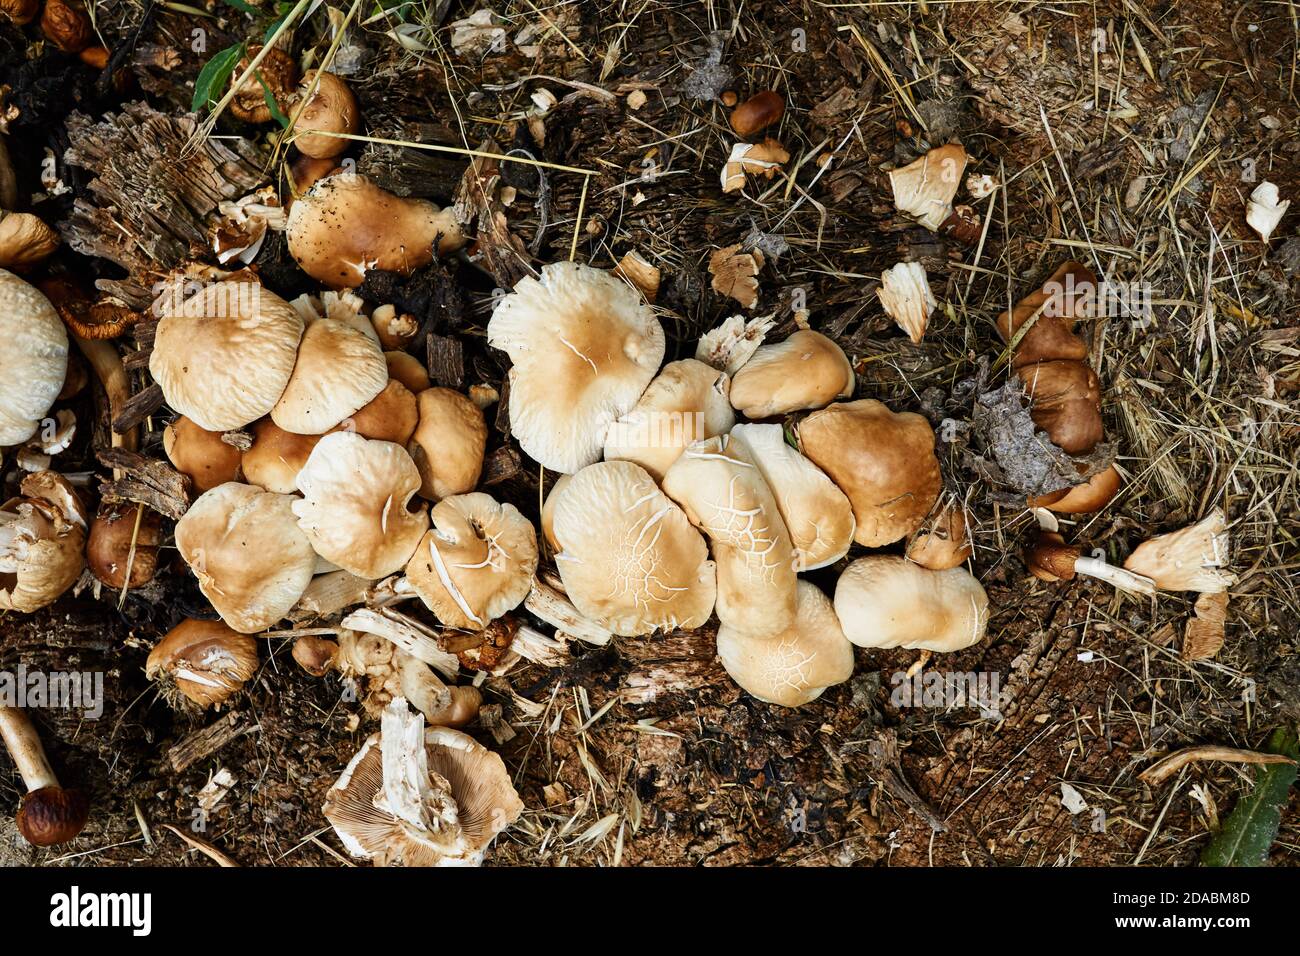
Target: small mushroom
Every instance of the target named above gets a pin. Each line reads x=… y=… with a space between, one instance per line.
x=943 y=541
x=33 y=361
x=1051 y=559
x=1194 y=558
x=49 y=815
x=276 y=457
x=396 y=330
x=25 y=241
x=20 y=12
x=584 y=347
x=123 y=546
x=905 y=294
x=392 y=415
x=331 y=108
x=204 y=662
x=1264 y=211
x=757 y=113
x=66 y=24
x=275 y=79
x=807 y=370
x=42 y=536
x=925 y=189
x=886 y=601
x=339 y=369
x=448 y=443
x=202 y=455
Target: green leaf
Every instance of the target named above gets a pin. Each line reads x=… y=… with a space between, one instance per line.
x=1248 y=833
x=270 y=31
x=271 y=104
x=214 y=75
x=243 y=7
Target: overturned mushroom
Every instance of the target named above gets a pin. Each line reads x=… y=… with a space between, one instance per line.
x=807 y=370
x=1051 y=559
x=887 y=601
x=1194 y=558
x=905 y=294
x=204 y=662
x=42 y=534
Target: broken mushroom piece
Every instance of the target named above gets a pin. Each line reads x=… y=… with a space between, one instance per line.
x=33 y=359
x=269 y=86
x=886 y=601
x=49 y=815
x=476 y=562
x=345 y=225
x=687 y=402
x=331 y=108
x=943 y=541
x=251 y=560
x=795 y=666
x=1264 y=211
x=924 y=189
x=883 y=460
x=202 y=455
x=1194 y=558
x=627 y=555
x=584 y=347
x=204 y=662
x=817 y=514
x=448 y=443
x=906 y=297
x=42 y=536
x=354 y=508
x=807 y=370
x=1051 y=559
x=421 y=797
x=339 y=369
x=723 y=494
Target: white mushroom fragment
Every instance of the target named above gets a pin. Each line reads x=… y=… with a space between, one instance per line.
x=905 y=294
x=1194 y=558
x=1264 y=210
x=42 y=539
x=925 y=188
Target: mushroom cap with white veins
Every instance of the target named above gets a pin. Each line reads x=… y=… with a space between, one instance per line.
x=476 y=563
x=883 y=600
x=724 y=494
x=338 y=371
x=805 y=371
x=354 y=505
x=224 y=356
x=795 y=666
x=246 y=549
x=816 y=513
x=627 y=555
x=584 y=346
x=686 y=402
x=33 y=360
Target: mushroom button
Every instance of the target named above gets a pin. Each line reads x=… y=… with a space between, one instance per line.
x=202 y=455
x=886 y=601
x=330 y=108
x=49 y=815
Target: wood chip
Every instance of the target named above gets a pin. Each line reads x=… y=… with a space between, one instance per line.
x=145 y=481
x=206 y=742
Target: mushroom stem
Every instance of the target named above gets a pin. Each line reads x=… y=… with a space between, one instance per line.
x=1115 y=576
x=24 y=745
x=110 y=371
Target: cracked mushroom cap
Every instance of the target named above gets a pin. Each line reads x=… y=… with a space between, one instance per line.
x=421 y=797
x=816 y=513
x=250 y=558
x=1190 y=559
x=224 y=355
x=807 y=370
x=886 y=601
x=354 y=506
x=627 y=555
x=723 y=493
x=883 y=460
x=584 y=346
x=448 y=443
x=33 y=361
x=686 y=402
x=339 y=370
x=200 y=454
x=477 y=561
x=42 y=543
x=794 y=667
x=345 y=225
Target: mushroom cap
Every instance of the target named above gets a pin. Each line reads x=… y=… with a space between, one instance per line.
x=42 y=538
x=200 y=454
x=476 y=563
x=278 y=71
x=339 y=370
x=448 y=443
x=392 y=415
x=1085 y=499
x=246 y=549
x=345 y=224
x=276 y=456
x=628 y=556
x=723 y=493
x=1065 y=402
x=109 y=549
x=886 y=601
x=1190 y=559
x=1050 y=558
x=807 y=370
x=883 y=460
x=686 y=402
x=943 y=541
x=1069 y=294
x=331 y=109
x=25 y=241
x=584 y=346
x=51 y=815
x=406 y=368
x=797 y=665
x=206 y=660
x=421 y=797
x=34 y=360
x=925 y=188
x=224 y=356
x=354 y=505
x=816 y=513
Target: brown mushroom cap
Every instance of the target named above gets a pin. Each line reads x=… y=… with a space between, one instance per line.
x=278 y=71
x=109 y=549
x=1087 y=498
x=200 y=454
x=1065 y=402
x=275 y=457
x=331 y=109
x=51 y=815
x=886 y=601
x=807 y=370
x=25 y=241
x=943 y=541
x=339 y=370
x=42 y=536
x=406 y=368
x=392 y=415
x=1051 y=559
x=448 y=443
x=33 y=361
x=205 y=661
x=883 y=460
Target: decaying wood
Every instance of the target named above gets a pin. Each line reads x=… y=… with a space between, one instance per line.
x=204 y=743
x=413 y=172
x=146 y=481
x=477 y=200
x=502 y=464
x=139 y=407
x=445 y=360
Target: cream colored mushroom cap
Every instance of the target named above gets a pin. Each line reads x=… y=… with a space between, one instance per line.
x=797 y=665
x=686 y=402
x=476 y=563
x=807 y=370
x=354 y=504
x=224 y=356
x=339 y=370
x=245 y=548
x=1194 y=558
x=883 y=600
x=33 y=359
x=448 y=443
x=42 y=543
x=628 y=556
x=817 y=514
x=723 y=493
x=584 y=347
